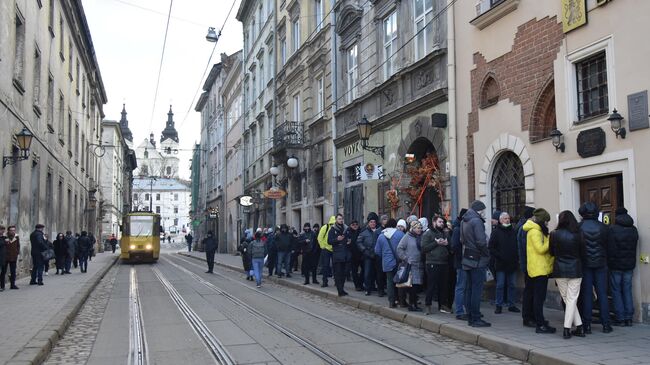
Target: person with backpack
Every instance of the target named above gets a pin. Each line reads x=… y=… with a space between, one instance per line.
x=386 y=249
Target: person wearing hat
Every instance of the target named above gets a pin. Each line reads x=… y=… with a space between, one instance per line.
x=476 y=258
x=457 y=254
x=401 y=225
x=503 y=249
x=527 y=294
x=408 y=250
x=496 y=215
x=356 y=261
x=366 y=245
x=326 y=250
x=308 y=246
x=621 y=259
x=340 y=253
x=38 y=246
x=594 y=237
x=539 y=264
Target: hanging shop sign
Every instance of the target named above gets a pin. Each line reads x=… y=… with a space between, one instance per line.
x=371 y=171
x=275 y=193
x=246 y=200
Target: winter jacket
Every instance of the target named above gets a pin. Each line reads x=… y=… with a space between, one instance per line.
x=435 y=254
x=474 y=239
x=539 y=261
x=85 y=245
x=521 y=245
x=353 y=234
x=392 y=237
x=594 y=242
x=308 y=247
x=210 y=243
x=13 y=249
x=366 y=242
x=456 y=246
x=257 y=249
x=3 y=250
x=408 y=251
x=284 y=242
x=323 y=234
x=71 y=243
x=503 y=248
x=565 y=247
x=60 y=247
x=38 y=243
x=340 y=252
x=621 y=248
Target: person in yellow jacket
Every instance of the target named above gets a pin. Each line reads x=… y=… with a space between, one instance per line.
x=539 y=263
x=326 y=251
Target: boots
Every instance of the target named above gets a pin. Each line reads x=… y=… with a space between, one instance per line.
x=306 y=281
x=567 y=333
x=428 y=310
x=579 y=331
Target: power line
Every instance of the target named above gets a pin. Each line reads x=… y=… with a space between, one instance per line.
x=162 y=56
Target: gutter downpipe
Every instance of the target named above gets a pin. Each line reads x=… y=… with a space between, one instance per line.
x=451 y=85
x=334 y=68
x=274 y=62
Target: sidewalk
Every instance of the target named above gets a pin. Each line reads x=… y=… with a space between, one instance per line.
x=34 y=317
x=626 y=345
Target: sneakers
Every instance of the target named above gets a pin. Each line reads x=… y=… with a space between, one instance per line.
x=13 y=287
x=567 y=333
x=415 y=309
x=445 y=309
x=259 y=286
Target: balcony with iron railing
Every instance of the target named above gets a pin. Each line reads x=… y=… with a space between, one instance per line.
x=287 y=135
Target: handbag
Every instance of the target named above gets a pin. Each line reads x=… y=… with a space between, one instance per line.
x=402 y=270
x=407 y=283
x=488 y=275
x=48 y=254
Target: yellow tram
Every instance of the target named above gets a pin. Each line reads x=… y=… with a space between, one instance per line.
x=140 y=237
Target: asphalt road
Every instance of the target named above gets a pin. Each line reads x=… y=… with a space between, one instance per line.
x=171 y=312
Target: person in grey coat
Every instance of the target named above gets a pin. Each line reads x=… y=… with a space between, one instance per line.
x=476 y=258
x=408 y=250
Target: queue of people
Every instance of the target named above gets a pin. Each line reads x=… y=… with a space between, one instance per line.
x=449 y=262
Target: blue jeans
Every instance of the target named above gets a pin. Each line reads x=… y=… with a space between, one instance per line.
x=505 y=278
x=594 y=277
x=258 y=267
x=283 y=261
x=473 y=291
x=368 y=273
x=459 y=293
x=620 y=284
x=83 y=262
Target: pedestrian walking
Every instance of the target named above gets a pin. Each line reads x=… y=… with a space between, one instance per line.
x=60 y=250
x=457 y=250
x=564 y=245
x=71 y=242
x=594 y=238
x=188 y=240
x=476 y=258
x=366 y=244
x=210 y=245
x=503 y=249
x=75 y=261
x=284 y=243
x=356 y=261
x=38 y=246
x=527 y=295
x=309 y=247
x=245 y=254
x=435 y=247
x=113 y=242
x=85 y=245
x=621 y=259
x=408 y=250
x=386 y=250
x=12 y=249
x=258 y=252
x=325 y=251
x=539 y=264
x=3 y=255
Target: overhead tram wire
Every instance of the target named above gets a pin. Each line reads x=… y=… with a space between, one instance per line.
x=162 y=57
x=207 y=67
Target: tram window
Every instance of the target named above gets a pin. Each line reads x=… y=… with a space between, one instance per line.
x=142 y=226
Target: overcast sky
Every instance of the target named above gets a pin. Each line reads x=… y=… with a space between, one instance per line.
x=128 y=38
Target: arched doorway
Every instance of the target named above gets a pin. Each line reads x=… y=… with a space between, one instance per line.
x=508 y=185
x=423 y=203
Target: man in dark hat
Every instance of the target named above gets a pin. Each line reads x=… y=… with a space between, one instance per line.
x=38 y=246
x=366 y=244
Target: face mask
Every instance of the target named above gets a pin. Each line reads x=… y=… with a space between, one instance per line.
x=506 y=225
x=482 y=213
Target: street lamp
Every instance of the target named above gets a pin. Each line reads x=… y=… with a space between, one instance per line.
x=615 y=120
x=292 y=163
x=556 y=138
x=212 y=35
x=24 y=139
x=364 y=128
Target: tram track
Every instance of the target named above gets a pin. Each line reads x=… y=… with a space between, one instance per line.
x=384 y=344
x=137 y=340
x=216 y=348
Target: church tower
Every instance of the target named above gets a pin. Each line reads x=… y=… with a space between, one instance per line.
x=169 y=147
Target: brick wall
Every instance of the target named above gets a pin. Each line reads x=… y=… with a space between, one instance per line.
x=522 y=74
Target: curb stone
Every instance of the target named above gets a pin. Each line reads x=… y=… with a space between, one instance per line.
x=40 y=346
x=515 y=350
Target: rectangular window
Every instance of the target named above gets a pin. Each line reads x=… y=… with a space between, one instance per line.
x=390 y=44
x=76 y=141
x=175 y=210
x=283 y=51
x=158 y=209
x=320 y=97
x=423 y=27
x=352 y=73
x=296 y=108
x=318 y=183
x=295 y=34
x=61 y=40
x=175 y=197
x=591 y=81
x=77 y=77
x=175 y=221
x=135 y=197
x=146 y=197
x=37 y=79
x=61 y=117
x=353 y=173
x=19 y=60
x=262 y=75
x=157 y=196
x=50 y=101
x=318 y=9
x=70 y=50
x=254 y=86
x=69 y=131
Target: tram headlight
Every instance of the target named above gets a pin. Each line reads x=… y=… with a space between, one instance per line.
x=132 y=247
x=148 y=247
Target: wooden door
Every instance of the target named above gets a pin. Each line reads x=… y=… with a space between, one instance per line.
x=606 y=192
x=353 y=204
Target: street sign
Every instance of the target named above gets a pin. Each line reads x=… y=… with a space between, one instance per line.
x=275 y=193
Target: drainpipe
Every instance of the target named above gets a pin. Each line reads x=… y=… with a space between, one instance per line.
x=273 y=116
x=333 y=74
x=451 y=87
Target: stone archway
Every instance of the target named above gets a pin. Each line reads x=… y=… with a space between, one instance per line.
x=506 y=142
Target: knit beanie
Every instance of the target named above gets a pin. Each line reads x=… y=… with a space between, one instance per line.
x=527 y=212
x=372 y=216
x=411 y=218
x=415 y=224
x=477 y=205
x=541 y=215
x=402 y=223
x=462 y=213
x=424 y=222
x=496 y=214
x=383 y=217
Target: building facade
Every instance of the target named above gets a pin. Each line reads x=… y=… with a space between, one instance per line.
x=168 y=197
x=112 y=168
x=51 y=85
x=555 y=69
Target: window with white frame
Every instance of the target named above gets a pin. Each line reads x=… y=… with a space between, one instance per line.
x=318 y=10
x=390 y=44
x=320 y=96
x=352 y=73
x=295 y=34
x=296 y=108
x=423 y=27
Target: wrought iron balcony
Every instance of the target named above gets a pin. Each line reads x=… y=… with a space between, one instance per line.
x=288 y=135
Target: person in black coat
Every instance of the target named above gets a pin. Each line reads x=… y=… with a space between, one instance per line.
x=284 y=244
x=457 y=252
x=564 y=245
x=272 y=251
x=38 y=246
x=71 y=244
x=246 y=258
x=84 y=244
x=340 y=253
x=621 y=259
x=503 y=248
x=3 y=256
x=594 y=237
x=366 y=244
x=356 y=258
x=60 y=250
x=310 y=253
x=188 y=239
x=210 y=245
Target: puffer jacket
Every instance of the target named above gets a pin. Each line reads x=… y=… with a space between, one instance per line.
x=435 y=254
x=474 y=239
x=284 y=242
x=539 y=261
x=257 y=249
x=340 y=250
x=621 y=248
x=594 y=239
x=366 y=242
x=503 y=248
x=392 y=237
x=565 y=247
x=322 y=235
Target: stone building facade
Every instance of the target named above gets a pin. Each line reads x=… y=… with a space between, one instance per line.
x=50 y=84
x=551 y=71
x=112 y=178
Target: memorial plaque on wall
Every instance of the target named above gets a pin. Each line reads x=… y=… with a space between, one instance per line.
x=637 y=105
x=591 y=142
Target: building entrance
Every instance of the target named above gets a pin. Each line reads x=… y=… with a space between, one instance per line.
x=606 y=192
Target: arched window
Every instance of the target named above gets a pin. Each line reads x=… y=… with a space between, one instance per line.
x=489 y=92
x=543 y=117
x=508 y=187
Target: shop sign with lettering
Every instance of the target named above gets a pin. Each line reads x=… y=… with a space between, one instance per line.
x=352 y=149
